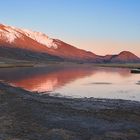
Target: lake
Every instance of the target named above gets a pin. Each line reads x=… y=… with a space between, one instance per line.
x=76 y=81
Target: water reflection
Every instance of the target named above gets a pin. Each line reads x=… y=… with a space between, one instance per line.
x=43 y=79
x=81 y=81
x=100 y=83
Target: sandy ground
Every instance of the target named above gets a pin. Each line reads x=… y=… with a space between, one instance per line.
x=30 y=116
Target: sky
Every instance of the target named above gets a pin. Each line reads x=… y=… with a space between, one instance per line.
x=100 y=26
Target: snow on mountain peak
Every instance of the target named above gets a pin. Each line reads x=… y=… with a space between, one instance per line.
x=10 y=34
x=39 y=37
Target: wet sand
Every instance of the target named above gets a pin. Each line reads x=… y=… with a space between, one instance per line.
x=32 y=116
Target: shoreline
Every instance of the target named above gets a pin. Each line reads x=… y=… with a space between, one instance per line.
x=12 y=63
x=31 y=116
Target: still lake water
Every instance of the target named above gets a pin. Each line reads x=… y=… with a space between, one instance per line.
x=76 y=81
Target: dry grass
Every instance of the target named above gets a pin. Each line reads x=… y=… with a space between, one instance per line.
x=11 y=65
x=126 y=65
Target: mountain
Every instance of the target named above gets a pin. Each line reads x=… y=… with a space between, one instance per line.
x=31 y=45
x=123 y=57
x=26 y=44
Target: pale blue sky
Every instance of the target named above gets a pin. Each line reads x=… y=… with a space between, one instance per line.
x=88 y=24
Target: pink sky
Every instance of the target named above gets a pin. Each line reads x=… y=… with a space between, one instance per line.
x=108 y=47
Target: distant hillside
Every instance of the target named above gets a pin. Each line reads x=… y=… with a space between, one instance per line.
x=123 y=57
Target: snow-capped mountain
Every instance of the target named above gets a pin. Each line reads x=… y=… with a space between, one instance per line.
x=31 y=45
x=10 y=34
x=38 y=45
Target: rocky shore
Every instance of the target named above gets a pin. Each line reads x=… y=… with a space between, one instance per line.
x=32 y=116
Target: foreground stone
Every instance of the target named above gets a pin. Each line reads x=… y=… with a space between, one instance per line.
x=30 y=116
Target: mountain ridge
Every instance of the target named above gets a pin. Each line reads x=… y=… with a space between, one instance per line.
x=36 y=45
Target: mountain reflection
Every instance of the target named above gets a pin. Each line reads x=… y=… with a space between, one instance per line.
x=43 y=79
